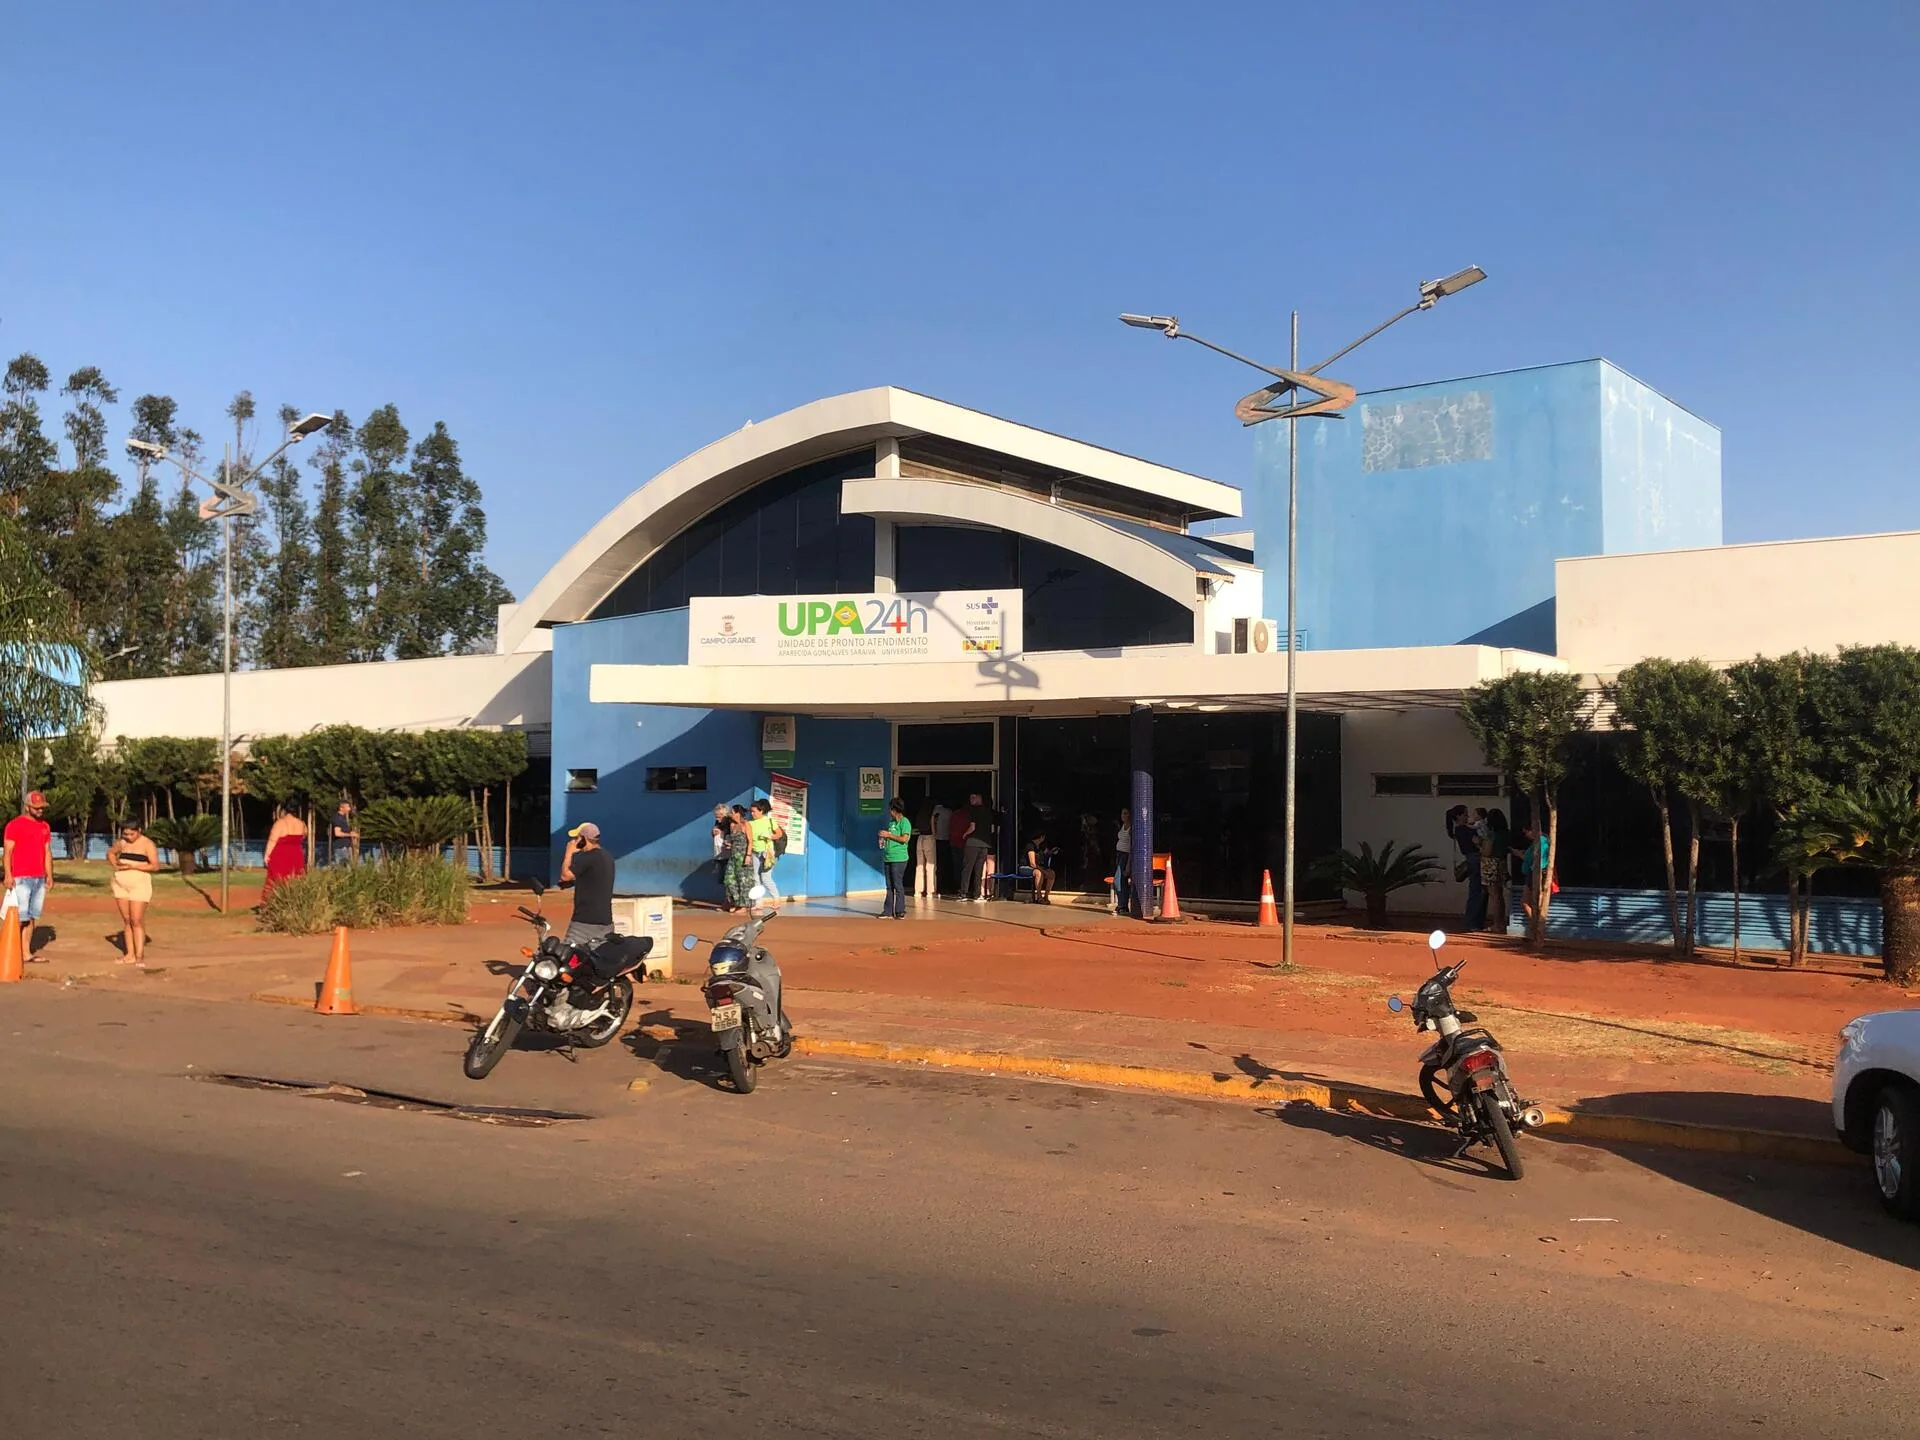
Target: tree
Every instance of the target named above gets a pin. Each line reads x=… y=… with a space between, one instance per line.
x=459 y=597
x=1526 y=724
x=332 y=632
x=1677 y=716
x=280 y=618
x=1779 y=756
x=1879 y=826
x=26 y=454
x=193 y=609
x=46 y=663
x=416 y=826
x=384 y=572
x=242 y=533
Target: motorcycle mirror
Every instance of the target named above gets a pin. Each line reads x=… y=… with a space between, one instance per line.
x=758 y=892
x=1436 y=939
x=1395 y=1004
x=690 y=942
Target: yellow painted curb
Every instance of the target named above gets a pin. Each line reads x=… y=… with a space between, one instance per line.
x=1347 y=1099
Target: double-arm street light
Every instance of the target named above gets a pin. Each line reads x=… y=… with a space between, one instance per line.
x=1321 y=397
x=230 y=498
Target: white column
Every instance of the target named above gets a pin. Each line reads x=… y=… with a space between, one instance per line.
x=886 y=465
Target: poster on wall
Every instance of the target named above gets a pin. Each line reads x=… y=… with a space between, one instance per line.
x=873 y=789
x=789 y=797
x=777 y=742
x=951 y=626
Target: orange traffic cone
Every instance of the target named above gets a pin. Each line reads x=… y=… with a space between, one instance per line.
x=1170 y=898
x=1269 y=912
x=336 y=991
x=10 y=957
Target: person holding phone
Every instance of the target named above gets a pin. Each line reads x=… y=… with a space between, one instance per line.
x=133 y=858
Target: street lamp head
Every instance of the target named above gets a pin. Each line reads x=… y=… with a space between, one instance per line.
x=1167 y=325
x=1433 y=291
x=311 y=425
x=148 y=448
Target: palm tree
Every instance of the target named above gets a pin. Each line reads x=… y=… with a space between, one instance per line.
x=1879 y=826
x=45 y=662
x=1378 y=876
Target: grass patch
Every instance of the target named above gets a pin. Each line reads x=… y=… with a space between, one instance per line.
x=404 y=890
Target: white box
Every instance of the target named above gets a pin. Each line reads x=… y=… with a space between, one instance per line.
x=652 y=916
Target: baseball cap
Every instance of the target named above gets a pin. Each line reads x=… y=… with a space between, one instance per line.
x=588 y=831
x=34 y=797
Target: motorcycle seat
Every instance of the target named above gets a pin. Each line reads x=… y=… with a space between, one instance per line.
x=617 y=954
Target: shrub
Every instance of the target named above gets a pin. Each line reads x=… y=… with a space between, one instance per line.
x=416 y=826
x=401 y=890
x=186 y=836
x=1378 y=876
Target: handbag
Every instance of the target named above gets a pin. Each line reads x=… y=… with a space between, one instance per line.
x=1460 y=870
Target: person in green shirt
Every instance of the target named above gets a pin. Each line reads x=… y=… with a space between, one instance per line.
x=769 y=839
x=894 y=840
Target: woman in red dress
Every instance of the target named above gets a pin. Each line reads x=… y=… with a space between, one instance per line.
x=286 y=849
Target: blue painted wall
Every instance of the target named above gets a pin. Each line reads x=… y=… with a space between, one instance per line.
x=1837 y=925
x=661 y=842
x=1433 y=514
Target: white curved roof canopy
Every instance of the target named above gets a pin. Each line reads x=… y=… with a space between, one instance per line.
x=679 y=495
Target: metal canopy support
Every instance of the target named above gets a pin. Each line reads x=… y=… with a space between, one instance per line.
x=1140 y=858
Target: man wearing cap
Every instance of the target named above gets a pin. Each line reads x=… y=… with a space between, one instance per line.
x=28 y=866
x=588 y=868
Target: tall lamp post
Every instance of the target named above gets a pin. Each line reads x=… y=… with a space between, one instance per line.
x=231 y=498
x=1328 y=397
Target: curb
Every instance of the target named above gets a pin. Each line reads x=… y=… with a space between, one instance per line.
x=1560 y=1124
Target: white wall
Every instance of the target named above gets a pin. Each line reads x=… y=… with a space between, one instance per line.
x=452 y=692
x=1738 y=601
x=1406 y=742
x=1237 y=598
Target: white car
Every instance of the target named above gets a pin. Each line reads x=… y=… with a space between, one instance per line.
x=1876 y=1102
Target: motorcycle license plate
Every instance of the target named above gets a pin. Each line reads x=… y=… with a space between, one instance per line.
x=726 y=1017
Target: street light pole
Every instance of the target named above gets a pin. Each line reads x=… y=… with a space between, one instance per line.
x=1261 y=405
x=230 y=498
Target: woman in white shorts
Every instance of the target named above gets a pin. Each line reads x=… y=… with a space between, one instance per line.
x=134 y=859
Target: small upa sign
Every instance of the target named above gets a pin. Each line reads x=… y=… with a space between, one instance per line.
x=873 y=789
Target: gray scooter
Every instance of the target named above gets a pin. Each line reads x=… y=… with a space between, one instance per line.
x=743 y=998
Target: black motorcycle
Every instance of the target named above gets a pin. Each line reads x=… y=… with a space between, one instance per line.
x=580 y=994
x=1463 y=1074
x=743 y=998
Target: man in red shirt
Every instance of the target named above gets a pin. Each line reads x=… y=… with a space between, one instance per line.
x=28 y=866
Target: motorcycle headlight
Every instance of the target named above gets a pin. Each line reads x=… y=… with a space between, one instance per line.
x=545 y=969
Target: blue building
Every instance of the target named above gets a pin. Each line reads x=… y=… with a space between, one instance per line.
x=1434 y=514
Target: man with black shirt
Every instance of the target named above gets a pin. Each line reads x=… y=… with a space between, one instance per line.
x=588 y=868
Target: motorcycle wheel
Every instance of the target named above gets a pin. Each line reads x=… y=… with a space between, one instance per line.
x=490 y=1044
x=608 y=1026
x=1496 y=1119
x=1436 y=1092
x=741 y=1069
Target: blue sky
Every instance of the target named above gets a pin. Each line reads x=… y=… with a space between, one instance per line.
x=592 y=238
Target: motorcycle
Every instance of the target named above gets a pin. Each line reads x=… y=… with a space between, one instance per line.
x=743 y=998
x=1463 y=1074
x=582 y=995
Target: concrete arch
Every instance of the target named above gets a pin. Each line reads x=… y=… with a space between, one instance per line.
x=679 y=495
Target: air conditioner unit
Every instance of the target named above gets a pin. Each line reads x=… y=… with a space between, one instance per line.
x=1256 y=637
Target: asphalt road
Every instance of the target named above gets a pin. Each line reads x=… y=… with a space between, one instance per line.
x=870 y=1251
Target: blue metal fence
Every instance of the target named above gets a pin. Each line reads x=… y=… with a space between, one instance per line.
x=251 y=855
x=1836 y=925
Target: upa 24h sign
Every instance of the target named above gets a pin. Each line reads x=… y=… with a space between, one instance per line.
x=954 y=626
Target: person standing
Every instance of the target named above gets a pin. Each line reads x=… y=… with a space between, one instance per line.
x=953 y=841
x=588 y=868
x=1123 y=866
x=1466 y=865
x=28 y=867
x=1496 y=854
x=925 y=879
x=722 y=831
x=286 y=849
x=894 y=838
x=973 y=846
x=737 y=880
x=344 y=840
x=134 y=860
x=768 y=840
x=1533 y=865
